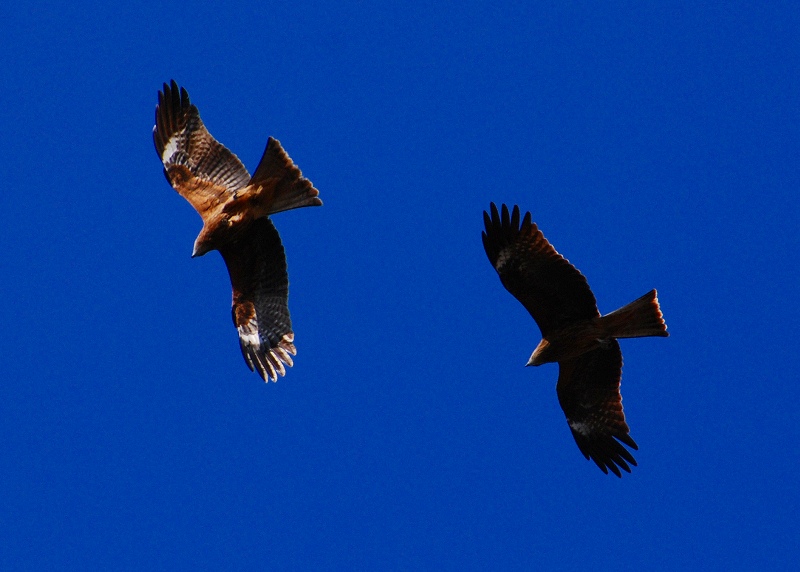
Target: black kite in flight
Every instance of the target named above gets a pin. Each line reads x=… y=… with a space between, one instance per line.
x=574 y=334
x=235 y=208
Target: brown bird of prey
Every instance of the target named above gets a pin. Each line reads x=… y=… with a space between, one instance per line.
x=574 y=334
x=235 y=208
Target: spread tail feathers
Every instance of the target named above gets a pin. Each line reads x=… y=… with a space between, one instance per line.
x=638 y=319
x=277 y=172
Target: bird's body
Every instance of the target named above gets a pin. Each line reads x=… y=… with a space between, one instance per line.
x=574 y=334
x=635 y=320
x=235 y=209
x=569 y=342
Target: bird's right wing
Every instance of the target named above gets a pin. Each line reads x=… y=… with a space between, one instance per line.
x=553 y=291
x=199 y=167
x=588 y=391
x=257 y=266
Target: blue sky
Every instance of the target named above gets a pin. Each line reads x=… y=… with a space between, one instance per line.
x=656 y=145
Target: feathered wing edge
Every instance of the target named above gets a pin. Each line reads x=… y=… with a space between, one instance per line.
x=257 y=266
x=589 y=393
x=200 y=168
x=553 y=291
x=268 y=362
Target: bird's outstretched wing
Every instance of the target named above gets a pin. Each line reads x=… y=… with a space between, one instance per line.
x=588 y=391
x=199 y=167
x=257 y=266
x=553 y=291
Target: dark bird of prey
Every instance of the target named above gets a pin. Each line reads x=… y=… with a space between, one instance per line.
x=235 y=208
x=574 y=334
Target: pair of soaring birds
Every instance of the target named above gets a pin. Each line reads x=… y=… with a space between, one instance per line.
x=235 y=208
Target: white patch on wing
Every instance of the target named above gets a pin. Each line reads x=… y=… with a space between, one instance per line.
x=248 y=333
x=502 y=258
x=259 y=356
x=170 y=148
x=579 y=427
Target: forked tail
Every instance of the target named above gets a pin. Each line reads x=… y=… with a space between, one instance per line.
x=640 y=318
x=278 y=175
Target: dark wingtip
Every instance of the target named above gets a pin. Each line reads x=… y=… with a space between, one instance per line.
x=502 y=227
x=607 y=451
x=506 y=217
x=628 y=440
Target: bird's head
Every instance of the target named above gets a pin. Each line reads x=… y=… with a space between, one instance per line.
x=212 y=236
x=541 y=354
x=204 y=243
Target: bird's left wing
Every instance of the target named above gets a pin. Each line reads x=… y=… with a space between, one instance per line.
x=588 y=391
x=257 y=266
x=198 y=166
x=553 y=291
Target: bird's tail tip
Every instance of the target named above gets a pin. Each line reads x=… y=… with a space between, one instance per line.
x=640 y=318
x=286 y=182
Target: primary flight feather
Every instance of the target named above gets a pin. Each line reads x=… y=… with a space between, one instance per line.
x=574 y=334
x=235 y=209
